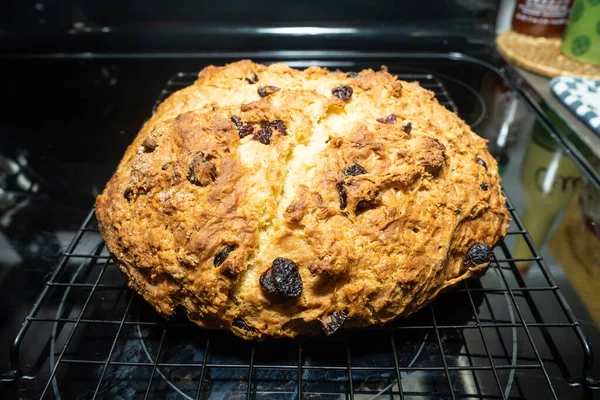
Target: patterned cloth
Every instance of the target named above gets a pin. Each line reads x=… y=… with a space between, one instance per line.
x=581 y=96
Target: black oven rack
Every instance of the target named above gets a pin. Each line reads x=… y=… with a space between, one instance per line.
x=89 y=336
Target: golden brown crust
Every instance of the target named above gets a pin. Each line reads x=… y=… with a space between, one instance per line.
x=377 y=217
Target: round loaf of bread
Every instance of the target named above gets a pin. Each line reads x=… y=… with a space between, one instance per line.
x=276 y=202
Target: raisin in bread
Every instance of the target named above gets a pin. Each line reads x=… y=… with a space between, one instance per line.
x=277 y=202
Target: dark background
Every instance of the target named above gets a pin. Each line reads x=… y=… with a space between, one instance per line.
x=33 y=27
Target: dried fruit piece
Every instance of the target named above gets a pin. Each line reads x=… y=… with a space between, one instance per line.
x=263 y=135
x=343 y=92
x=407 y=127
x=201 y=172
x=236 y=121
x=333 y=322
x=265 y=91
x=389 y=120
x=222 y=255
x=252 y=79
x=484 y=186
x=481 y=162
x=362 y=206
x=243 y=129
x=352 y=74
x=277 y=124
x=241 y=324
x=342 y=193
x=354 y=170
x=267 y=282
x=164 y=167
x=478 y=254
x=282 y=279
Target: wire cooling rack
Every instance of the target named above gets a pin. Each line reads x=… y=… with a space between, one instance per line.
x=89 y=336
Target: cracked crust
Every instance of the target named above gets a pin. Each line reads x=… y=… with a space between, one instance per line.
x=195 y=214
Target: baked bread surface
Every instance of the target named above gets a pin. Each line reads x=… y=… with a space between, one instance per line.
x=370 y=199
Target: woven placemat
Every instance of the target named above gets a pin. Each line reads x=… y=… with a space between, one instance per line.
x=542 y=56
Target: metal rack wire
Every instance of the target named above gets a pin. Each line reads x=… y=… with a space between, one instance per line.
x=89 y=336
